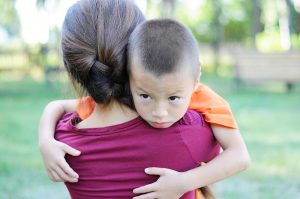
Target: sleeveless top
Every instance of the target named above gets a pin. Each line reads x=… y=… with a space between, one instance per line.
x=113 y=158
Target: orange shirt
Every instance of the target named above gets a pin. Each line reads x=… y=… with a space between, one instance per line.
x=204 y=100
x=213 y=107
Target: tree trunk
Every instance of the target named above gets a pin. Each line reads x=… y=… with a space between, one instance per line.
x=284 y=26
x=148 y=2
x=217 y=33
x=294 y=17
x=168 y=8
x=256 y=23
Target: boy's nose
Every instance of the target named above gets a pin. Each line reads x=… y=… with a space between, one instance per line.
x=159 y=113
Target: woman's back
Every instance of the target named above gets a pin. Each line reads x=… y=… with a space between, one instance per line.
x=113 y=158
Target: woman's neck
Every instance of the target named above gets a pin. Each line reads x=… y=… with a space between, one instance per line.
x=108 y=115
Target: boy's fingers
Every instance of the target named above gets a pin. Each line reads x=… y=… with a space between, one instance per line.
x=144 y=189
x=146 y=196
x=64 y=176
x=71 y=151
x=68 y=170
x=155 y=171
x=203 y=163
x=54 y=176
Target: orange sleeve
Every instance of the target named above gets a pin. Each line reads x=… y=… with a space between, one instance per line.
x=213 y=107
x=85 y=107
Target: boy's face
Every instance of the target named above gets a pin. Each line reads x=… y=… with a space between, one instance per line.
x=163 y=100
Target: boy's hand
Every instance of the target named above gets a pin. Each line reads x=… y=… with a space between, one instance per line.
x=53 y=153
x=169 y=185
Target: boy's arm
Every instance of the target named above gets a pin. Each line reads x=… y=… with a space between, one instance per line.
x=53 y=151
x=235 y=156
x=173 y=184
x=233 y=159
x=51 y=114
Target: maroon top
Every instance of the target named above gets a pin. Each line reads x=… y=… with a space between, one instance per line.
x=113 y=158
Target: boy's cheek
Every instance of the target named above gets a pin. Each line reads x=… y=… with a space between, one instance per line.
x=142 y=112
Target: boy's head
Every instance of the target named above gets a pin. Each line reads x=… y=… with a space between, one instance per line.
x=163 y=67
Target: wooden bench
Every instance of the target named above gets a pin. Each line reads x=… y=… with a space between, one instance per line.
x=252 y=66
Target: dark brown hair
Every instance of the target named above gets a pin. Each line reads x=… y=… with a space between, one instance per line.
x=207 y=192
x=160 y=46
x=94 y=41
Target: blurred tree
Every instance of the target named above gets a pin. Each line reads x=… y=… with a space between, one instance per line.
x=230 y=20
x=41 y=3
x=216 y=32
x=9 y=18
x=167 y=8
x=294 y=17
x=281 y=21
x=46 y=60
x=199 y=20
x=238 y=20
x=284 y=24
x=148 y=2
x=257 y=26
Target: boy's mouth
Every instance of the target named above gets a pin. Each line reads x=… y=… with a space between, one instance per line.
x=160 y=124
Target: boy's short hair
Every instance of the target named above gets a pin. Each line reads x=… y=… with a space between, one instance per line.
x=161 y=45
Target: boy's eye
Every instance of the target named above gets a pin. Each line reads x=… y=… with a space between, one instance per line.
x=174 y=98
x=145 y=96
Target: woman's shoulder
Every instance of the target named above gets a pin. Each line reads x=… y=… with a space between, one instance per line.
x=67 y=120
x=192 y=117
x=69 y=123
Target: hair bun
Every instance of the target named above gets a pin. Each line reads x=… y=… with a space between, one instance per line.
x=102 y=68
x=104 y=84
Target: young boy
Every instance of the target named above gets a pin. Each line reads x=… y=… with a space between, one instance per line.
x=163 y=71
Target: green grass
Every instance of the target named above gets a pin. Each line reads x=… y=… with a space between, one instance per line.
x=21 y=171
x=268 y=118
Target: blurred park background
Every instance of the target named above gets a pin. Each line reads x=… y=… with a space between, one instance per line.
x=250 y=54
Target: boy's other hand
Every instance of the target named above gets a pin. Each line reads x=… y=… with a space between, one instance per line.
x=53 y=154
x=169 y=185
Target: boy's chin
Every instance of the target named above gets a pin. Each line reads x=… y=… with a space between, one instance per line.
x=160 y=125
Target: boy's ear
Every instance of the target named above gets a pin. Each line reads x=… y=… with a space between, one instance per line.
x=196 y=84
x=197 y=81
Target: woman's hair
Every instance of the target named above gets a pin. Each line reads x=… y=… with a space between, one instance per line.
x=95 y=34
x=207 y=193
